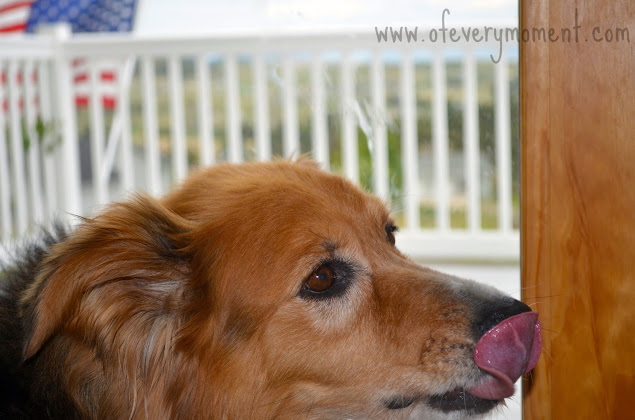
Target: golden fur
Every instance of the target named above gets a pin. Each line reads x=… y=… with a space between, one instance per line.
x=190 y=306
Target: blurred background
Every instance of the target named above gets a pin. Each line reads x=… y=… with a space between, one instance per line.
x=101 y=98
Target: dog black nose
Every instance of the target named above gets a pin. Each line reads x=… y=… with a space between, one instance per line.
x=494 y=312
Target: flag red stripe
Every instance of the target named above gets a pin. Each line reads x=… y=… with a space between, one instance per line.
x=13 y=28
x=108 y=102
x=104 y=77
x=81 y=74
x=15 y=5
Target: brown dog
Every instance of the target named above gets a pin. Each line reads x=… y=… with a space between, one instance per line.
x=256 y=291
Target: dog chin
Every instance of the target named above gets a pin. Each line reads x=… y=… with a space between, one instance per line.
x=455 y=404
x=472 y=409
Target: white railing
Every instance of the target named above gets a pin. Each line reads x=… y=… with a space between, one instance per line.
x=43 y=181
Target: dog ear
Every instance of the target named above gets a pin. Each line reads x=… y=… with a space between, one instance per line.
x=130 y=258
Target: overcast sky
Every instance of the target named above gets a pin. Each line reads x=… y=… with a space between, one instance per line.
x=160 y=17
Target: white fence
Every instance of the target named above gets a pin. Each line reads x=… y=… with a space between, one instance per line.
x=40 y=175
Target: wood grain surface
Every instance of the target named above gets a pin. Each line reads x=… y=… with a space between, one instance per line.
x=578 y=207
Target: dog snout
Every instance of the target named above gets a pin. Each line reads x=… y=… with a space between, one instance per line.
x=493 y=313
x=508 y=345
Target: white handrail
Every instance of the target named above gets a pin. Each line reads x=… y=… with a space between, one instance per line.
x=98 y=45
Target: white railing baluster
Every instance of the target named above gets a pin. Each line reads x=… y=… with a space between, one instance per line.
x=380 y=143
x=319 y=136
x=48 y=139
x=233 y=130
x=503 y=149
x=151 y=127
x=177 y=119
x=69 y=181
x=127 y=158
x=409 y=149
x=440 y=142
x=261 y=104
x=17 y=148
x=204 y=112
x=6 y=219
x=97 y=134
x=291 y=135
x=471 y=142
x=35 y=175
x=349 y=127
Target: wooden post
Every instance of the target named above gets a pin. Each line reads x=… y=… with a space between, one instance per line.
x=578 y=205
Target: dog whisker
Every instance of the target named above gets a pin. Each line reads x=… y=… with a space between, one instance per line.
x=547 y=354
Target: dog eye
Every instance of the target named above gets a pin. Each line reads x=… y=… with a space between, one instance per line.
x=321 y=279
x=390 y=233
x=329 y=280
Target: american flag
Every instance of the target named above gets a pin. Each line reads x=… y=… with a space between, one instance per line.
x=14 y=15
x=17 y=16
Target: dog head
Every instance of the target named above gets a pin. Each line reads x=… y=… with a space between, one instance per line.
x=269 y=290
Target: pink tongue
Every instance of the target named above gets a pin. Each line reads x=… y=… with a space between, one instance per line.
x=506 y=352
